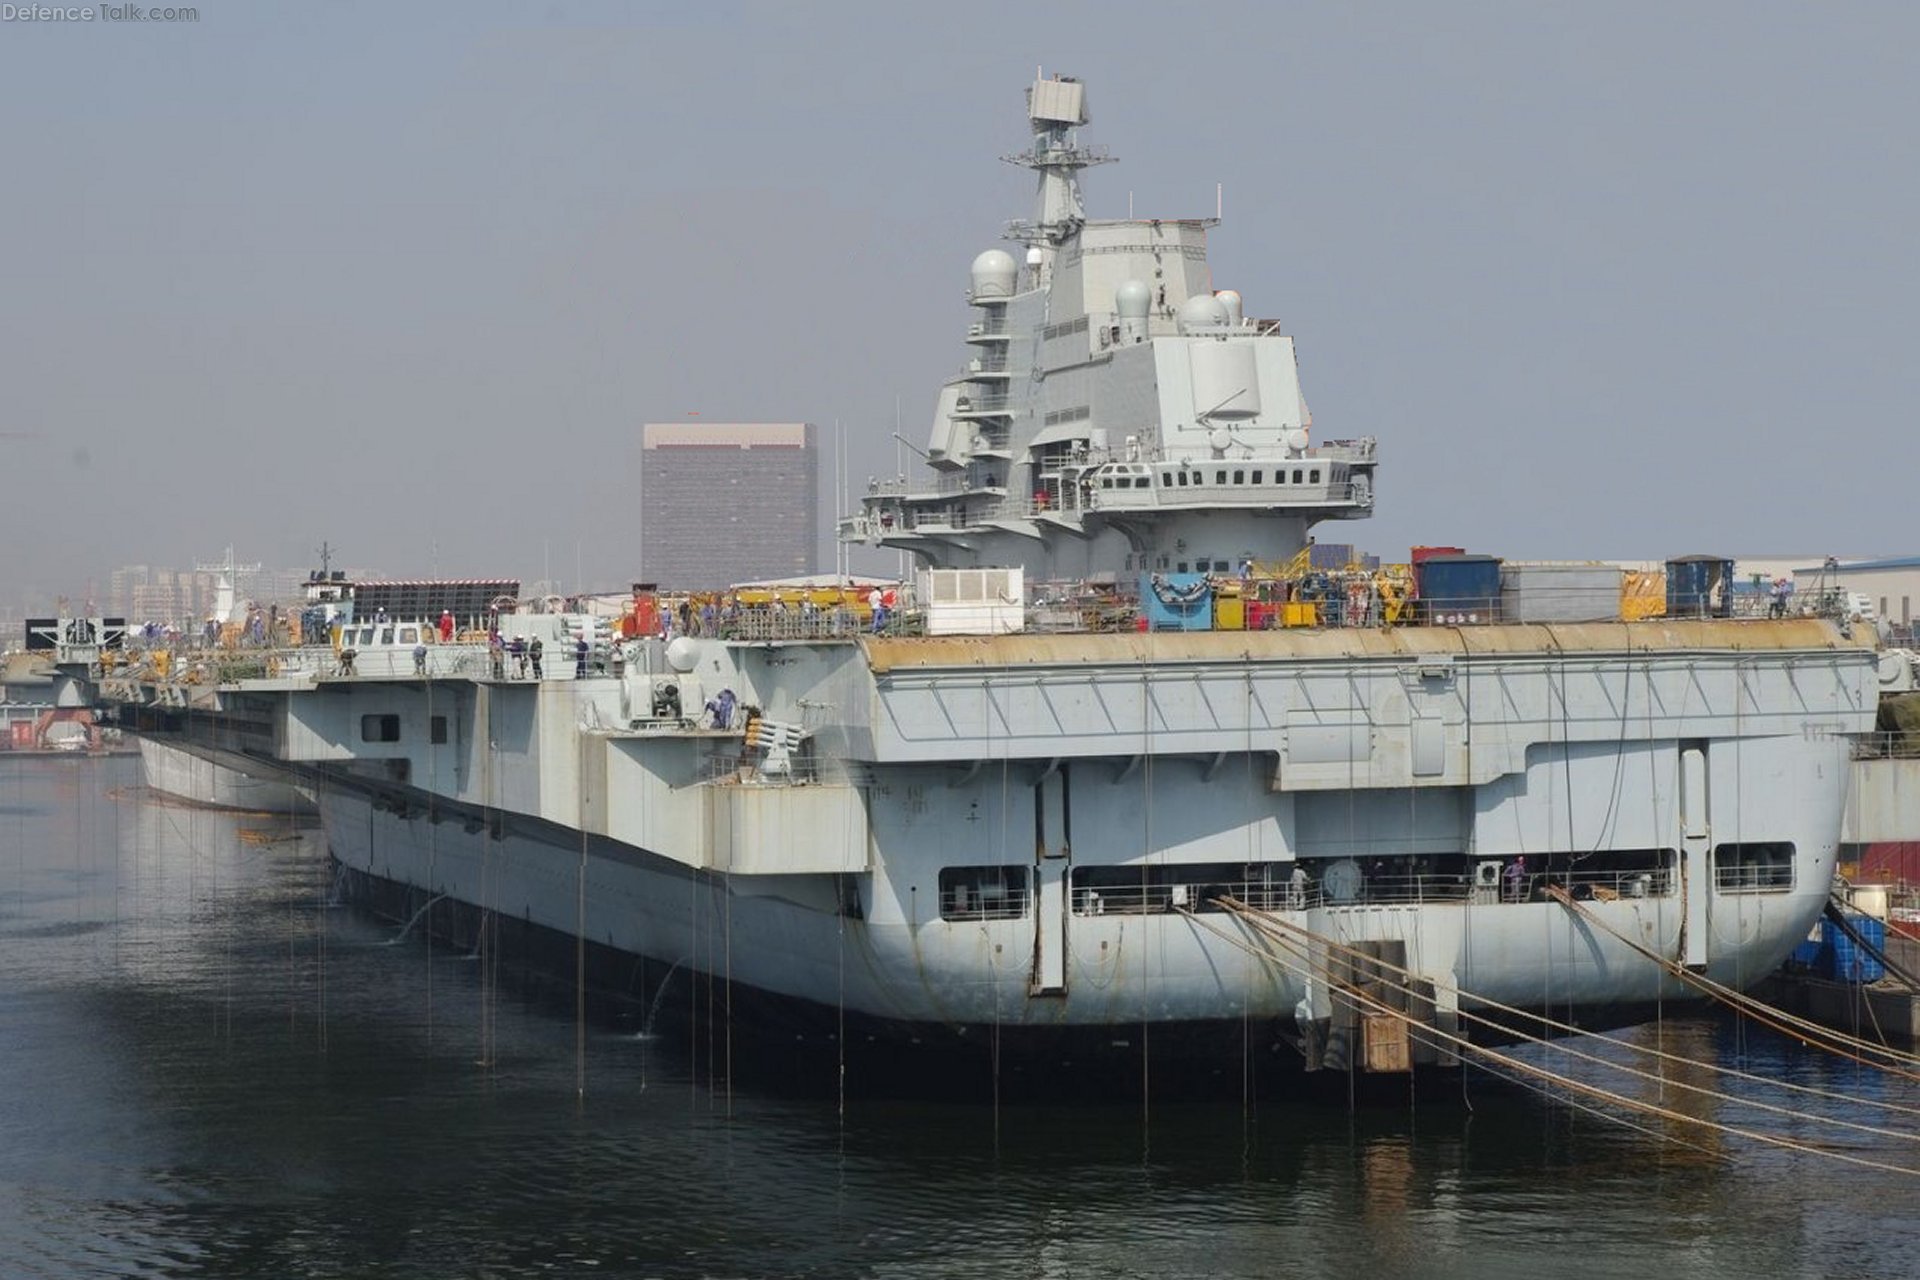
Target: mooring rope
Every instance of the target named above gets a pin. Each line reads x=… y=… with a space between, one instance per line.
x=1702 y=1090
x=1836 y=1042
x=1564 y=1081
x=1260 y=919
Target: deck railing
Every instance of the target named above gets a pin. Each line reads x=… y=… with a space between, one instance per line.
x=1281 y=894
x=1885 y=745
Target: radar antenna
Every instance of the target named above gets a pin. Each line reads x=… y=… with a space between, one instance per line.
x=1056 y=108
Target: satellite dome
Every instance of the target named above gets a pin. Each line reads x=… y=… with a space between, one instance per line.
x=1230 y=299
x=683 y=654
x=994 y=273
x=1202 y=311
x=1132 y=299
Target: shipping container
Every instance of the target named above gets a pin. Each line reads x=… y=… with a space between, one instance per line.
x=1700 y=587
x=1457 y=589
x=1806 y=955
x=1844 y=960
x=1559 y=592
x=1176 y=602
x=1419 y=554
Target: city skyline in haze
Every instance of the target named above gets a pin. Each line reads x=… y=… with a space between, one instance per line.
x=1620 y=282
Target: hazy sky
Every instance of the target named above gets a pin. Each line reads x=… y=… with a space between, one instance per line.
x=1607 y=280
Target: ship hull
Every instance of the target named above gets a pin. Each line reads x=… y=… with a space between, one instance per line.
x=786 y=1043
x=790 y=972
x=220 y=780
x=789 y=1044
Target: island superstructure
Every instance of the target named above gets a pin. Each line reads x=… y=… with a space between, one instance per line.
x=1050 y=851
x=1114 y=413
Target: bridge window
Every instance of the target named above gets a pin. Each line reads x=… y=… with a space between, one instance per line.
x=1764 y=866
x=1239 y=477
x=1166 y=477
x=1256 y=477
x=1183 y=477
x=1296 y=477
x=1219 y=477
x=983 y=893
x=409 y=635
x=1313 y=476
x=1196 y=478
x=380 y=728
x=1106 y=482
x=437 y=731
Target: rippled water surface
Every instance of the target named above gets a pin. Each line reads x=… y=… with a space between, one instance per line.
x=208 y=1070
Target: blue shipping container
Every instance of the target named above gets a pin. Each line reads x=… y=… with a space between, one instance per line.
x=1807 y=954
x=1176 y=601
x=1847 y=961
x=1700 y=587
x=1457 y=589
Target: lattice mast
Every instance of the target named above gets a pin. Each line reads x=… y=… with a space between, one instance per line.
x=1056 y=108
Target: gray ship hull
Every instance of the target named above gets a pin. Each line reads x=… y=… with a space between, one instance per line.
x=835 y=942
x=218 y=779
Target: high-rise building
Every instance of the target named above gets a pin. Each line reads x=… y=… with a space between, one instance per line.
x=184 y=597
x=121 y=584
x=728 y=502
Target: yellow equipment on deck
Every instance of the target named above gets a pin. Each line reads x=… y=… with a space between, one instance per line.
x=1643 y=595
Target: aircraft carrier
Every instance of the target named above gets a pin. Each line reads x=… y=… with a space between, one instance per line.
x=1044 y=841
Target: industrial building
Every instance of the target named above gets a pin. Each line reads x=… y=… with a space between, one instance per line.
x=1891 y=586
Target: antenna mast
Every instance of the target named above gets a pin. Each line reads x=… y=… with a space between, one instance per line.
x=1055 y=109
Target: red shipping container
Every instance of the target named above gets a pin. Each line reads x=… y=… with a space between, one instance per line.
x=1417 y=554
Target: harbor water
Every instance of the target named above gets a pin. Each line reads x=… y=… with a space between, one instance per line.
x=209 y=1067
